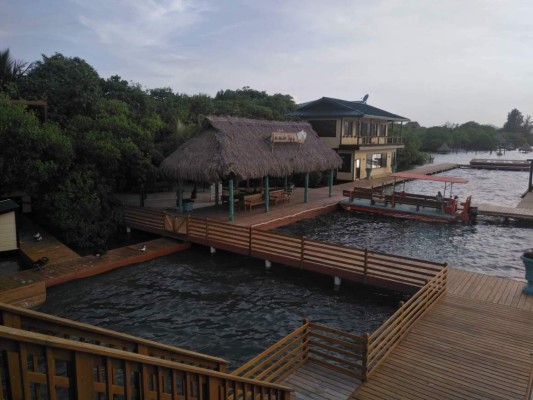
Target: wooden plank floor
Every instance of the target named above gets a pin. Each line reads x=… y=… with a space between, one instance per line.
x=476 y=343
x=59 y=272
x=505 y=212
x=315 y=382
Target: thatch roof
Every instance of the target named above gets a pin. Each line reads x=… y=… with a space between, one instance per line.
x=444 y=148
x=243 y=147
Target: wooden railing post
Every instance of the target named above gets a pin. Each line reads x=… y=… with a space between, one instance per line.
x=302 y=251
x=305 y=336
x=250 y=238
x=364 y=360
x=365 y=267
x=84 y=376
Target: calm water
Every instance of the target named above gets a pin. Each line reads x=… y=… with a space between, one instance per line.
x=226 y=305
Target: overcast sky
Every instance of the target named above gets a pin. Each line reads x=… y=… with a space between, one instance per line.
x=433 y=61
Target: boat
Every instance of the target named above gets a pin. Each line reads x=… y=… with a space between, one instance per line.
x=410 y=205
x=510 y=165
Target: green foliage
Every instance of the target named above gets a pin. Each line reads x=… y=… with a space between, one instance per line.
x=81 y=209
x=33 y=156
x=468 y=136
x=11 y=72
x=70 y=85
x=514 y=122
x=411 y=155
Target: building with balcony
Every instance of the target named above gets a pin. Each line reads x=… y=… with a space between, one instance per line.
x=365 y=137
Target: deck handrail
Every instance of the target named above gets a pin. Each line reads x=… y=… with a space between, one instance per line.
x=35 y=321
x=352 y=263
x=311 y=342
x=384 y=339
x=34 y=363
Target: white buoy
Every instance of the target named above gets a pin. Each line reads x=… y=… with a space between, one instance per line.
x=268 y=265
x=212 y=250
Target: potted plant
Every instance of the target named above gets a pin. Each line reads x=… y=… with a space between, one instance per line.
x=527 y=258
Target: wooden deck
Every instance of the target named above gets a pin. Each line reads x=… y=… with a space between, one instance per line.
x=476 y=343
x=316 y=382
x=505 y=212
x=27 y=288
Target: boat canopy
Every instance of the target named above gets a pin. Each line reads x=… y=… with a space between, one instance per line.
x=409 y=175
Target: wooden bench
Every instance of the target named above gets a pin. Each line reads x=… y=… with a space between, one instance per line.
x=279 y=196
x=253 y=200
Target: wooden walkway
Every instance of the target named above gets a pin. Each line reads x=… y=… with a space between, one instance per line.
x=505 y=212
x=316 y=382
x=476 y=343
x=28 y=288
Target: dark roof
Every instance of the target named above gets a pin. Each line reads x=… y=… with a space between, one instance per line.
x=243 y=147
x=7 y=205
x=330 y=107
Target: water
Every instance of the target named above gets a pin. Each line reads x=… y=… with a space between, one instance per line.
x=226 y=305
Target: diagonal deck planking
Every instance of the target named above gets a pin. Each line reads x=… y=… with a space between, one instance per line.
x=476 y=343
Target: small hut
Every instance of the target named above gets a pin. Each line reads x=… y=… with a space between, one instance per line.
x=444 y=149
x=229 y=148
x=8 y=226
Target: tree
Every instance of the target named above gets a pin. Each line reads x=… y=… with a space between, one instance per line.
x=514 y=122
x=33 y=156
x=11 y=71
x=70 y=85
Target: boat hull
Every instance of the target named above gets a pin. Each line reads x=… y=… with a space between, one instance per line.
x=398 y=212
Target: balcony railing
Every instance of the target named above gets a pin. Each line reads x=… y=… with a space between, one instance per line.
x=371 y=140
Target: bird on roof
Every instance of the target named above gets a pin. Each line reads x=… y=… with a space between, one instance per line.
x=143 y=248
x=37 y=237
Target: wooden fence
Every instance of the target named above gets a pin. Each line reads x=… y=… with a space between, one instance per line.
x=335 y=349
x=350 y=354
x=354 y=264
x=34 y=321
x=37 y=366
x=392 y=331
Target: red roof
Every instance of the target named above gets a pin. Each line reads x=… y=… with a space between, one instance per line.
x=409 y=175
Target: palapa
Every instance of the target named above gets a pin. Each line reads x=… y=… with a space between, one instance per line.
x=242 y=148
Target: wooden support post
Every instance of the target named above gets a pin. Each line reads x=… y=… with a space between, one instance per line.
x=365 y=267
x=336 y=283
x=364 y=361
x=217 y=193
x=306 y=189
x=180 y=195
x=84 y=376
x=231 y=201
x=286 y=184
x=331 y=171
x=530 y=187
x=267 y=194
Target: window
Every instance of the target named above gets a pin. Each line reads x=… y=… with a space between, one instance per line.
x=346 y=162
x=325 y=128
x=364 y=129
x=376 y=160
x=383 y=129
x=348 y=128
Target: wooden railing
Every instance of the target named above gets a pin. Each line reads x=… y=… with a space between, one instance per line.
x=371 y=140
x=335 y=349
x=34 y=321
x=392 y=331
x=350 y=354
x=359 y=265
x=37 y=366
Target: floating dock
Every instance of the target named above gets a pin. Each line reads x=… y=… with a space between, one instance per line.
x=498 y=164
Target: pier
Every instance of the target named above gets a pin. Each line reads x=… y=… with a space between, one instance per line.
x=461 y=334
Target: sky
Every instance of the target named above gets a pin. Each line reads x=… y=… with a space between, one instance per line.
x=432 y=61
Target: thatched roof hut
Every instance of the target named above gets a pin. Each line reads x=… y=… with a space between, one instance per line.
x=243 y=148
x=444 y=148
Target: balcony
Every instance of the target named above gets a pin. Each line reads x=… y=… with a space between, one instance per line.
x=371 y=140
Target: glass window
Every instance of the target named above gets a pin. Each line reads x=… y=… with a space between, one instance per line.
x=346 y=162
x=383 y=129
x=348 y=128
x=376 y=160
x=364 y=129
x=325 y=128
